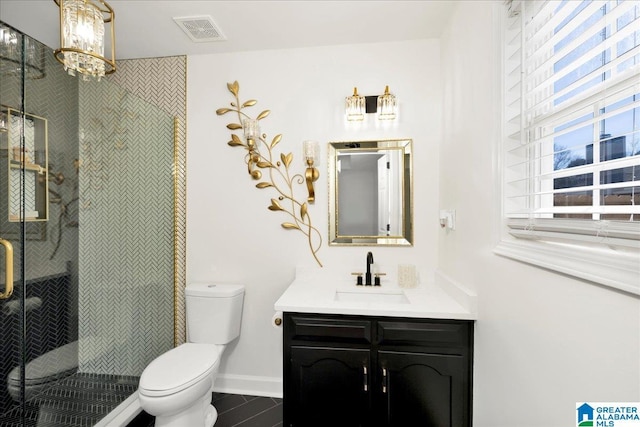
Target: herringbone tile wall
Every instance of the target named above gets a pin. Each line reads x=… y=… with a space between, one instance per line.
x=162 y=82
x=105 y=258
x=126 y=235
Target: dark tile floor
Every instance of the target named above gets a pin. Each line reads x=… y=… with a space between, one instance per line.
x=79 y=400
x=247 y=411
x=235 y=410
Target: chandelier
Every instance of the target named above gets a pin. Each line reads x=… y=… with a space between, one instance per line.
x=82 y=38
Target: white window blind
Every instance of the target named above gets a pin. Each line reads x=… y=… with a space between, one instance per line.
x=571 y=156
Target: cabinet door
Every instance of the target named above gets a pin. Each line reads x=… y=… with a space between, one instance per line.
x=430 y=390
x=329 y=387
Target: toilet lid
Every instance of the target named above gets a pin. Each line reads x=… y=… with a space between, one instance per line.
x=213 y=290
x=179 y=368
x=50 y=366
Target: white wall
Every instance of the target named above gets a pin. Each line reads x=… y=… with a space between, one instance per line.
x=544 y=341
x=231 y=236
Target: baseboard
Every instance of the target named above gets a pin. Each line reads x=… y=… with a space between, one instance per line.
x=123 y=414
x=248 y=385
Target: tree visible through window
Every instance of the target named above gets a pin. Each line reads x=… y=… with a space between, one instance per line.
x=614 y=132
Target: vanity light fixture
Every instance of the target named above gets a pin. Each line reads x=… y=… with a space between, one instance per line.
x=355 y=106
x=311 y=150
x=82 y=38
x=385 y=106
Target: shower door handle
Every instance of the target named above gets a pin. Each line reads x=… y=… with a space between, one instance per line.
x=8 y=254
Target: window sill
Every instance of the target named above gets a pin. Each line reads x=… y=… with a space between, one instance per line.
x=609 y=267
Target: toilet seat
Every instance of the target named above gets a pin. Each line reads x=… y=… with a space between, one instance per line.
x=179 y=369
x=49 y=367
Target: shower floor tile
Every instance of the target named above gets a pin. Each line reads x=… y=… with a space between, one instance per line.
x=79 y=400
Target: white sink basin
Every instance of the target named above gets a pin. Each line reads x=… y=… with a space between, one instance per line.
x=371 y=295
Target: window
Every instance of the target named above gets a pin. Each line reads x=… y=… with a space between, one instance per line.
x=571 y=152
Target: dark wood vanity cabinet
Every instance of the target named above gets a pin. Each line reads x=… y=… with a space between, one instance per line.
x=342 y=370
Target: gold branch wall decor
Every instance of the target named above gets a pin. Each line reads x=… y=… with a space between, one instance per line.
x=260 y=157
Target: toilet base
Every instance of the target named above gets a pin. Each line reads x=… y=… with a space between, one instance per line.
x=200 y=414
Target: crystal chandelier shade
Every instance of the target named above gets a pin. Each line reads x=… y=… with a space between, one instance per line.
x=311 y=153
x=355 y=106
x=82 y=38
x=387 y=105
x=251 y=128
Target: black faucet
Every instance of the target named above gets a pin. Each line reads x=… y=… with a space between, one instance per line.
x=367 y=277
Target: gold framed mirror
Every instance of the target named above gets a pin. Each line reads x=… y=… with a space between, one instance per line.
x=371 y=193
x=25 y=189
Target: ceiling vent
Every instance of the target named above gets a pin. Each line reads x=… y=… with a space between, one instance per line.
x=200 y=28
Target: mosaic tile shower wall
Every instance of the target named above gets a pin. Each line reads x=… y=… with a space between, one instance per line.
x=101 y=270
x=50 y=250
x=162 y=82
x=126 y=239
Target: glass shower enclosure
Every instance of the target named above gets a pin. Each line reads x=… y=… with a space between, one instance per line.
x=87 y=242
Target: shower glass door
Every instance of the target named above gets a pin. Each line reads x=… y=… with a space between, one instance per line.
x=20 y=178
x=37 y=313
x=86 y=240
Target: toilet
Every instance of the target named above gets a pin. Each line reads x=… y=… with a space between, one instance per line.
x=176 y=387
x=42 y=372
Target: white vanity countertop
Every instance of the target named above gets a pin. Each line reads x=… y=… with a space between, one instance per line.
x=306 y=295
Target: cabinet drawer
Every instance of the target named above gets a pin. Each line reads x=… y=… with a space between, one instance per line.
x=327 y=329
x=431 y=334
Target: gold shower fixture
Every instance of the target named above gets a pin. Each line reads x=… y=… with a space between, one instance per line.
x=260 y=157
x=82 y=38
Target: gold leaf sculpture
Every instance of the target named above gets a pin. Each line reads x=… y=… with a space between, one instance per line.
x=260 y=153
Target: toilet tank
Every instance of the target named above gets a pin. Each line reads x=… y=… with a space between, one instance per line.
x=214 y=312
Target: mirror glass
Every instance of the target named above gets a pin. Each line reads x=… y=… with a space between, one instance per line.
x=370 y=193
